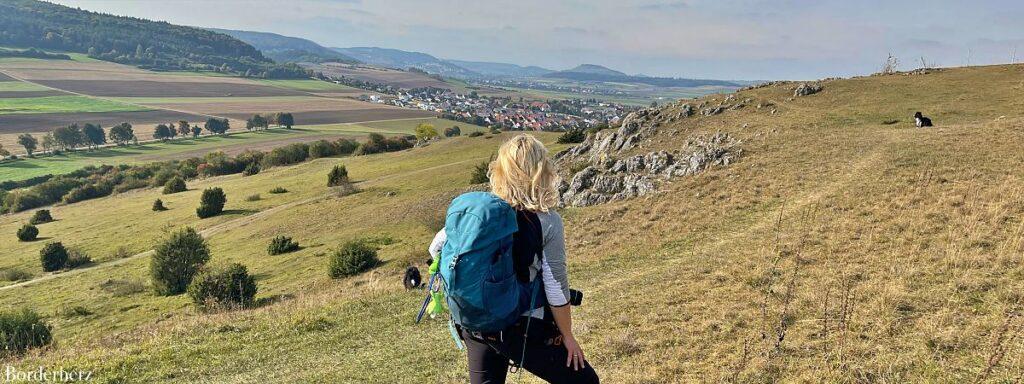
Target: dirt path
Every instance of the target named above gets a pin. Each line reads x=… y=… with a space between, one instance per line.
x=232 y=224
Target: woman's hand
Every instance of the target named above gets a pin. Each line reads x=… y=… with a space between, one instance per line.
x=575 y=358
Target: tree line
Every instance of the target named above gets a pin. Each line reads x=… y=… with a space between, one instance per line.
x=134 y=41
x=90 y=136
x=97 y=181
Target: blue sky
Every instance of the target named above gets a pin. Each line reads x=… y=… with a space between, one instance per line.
x=741 y=39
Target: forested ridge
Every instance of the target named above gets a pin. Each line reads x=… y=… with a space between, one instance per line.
x=128 y=40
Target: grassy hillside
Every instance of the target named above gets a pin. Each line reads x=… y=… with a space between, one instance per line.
x=838 y=249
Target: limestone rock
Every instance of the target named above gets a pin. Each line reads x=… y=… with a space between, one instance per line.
x=806 y=89
x=608 y=180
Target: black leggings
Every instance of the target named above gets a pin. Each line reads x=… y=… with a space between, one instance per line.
x=489 y=355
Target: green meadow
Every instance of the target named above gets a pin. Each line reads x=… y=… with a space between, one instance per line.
x=63 y=104
x=19 y=86
x=310 y=85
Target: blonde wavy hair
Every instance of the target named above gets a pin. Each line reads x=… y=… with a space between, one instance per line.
x=523 y=175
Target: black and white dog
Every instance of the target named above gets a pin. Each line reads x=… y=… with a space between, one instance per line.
x=412 y=278
x=921 y=121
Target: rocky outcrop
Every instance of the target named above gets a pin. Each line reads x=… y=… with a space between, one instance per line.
x=636 y=127
x=607 y=179
x=610 y=168
x=806 y=89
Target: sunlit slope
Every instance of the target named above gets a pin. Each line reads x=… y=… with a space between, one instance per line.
x=838 y=248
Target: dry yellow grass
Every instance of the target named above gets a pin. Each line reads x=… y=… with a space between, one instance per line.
x=838 y=249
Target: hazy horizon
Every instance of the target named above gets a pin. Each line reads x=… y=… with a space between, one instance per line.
x=748 y=39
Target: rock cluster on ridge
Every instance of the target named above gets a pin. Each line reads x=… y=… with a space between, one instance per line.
x=607 y=175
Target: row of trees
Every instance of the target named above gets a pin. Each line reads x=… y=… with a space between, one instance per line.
x=91 y=135
x=93 y=182
x=73 y=136
x=171 y=130
x=264 y=121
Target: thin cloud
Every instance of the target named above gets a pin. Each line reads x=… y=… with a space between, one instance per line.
x=762 y=39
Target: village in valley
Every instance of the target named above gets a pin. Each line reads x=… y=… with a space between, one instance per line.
x=508 y=113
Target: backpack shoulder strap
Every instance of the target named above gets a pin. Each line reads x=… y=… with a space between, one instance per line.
x=527 y=244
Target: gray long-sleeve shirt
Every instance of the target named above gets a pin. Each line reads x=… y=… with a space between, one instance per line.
x=551 y=267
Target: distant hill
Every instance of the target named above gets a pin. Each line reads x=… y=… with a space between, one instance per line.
x=594 y=69
x=287 y=49
x=129 y=40
x=396 y=58
x=600 y=74
x=501 y=69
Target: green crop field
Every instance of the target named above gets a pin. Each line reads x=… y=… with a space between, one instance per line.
x=18 y=86
x=206 y=100
x=70 y=103
x=311 y=85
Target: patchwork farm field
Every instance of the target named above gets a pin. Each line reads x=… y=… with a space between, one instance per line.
x=394 y=77
x=313 y=86
x=150 y=88
x=37 y=96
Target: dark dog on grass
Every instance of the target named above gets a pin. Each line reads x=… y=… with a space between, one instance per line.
x=920 y=121
x=412 y=278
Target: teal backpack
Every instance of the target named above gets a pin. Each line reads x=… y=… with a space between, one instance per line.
x=476 y=264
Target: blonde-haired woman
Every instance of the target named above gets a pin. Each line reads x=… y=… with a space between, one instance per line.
x=524 y=176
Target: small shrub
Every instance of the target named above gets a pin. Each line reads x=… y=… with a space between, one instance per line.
x=251 y=169
x=255 y=197
x=338 y=176
x=28 y=232
x=122 y=252
x=476 y=134
x=14 y=274
x=176 y=260
x=452 y=131
x=211 y=203
x=572 y=136
x=352 y=258
x=289 y=154
x=22 y=330
x=282 y=244
x=77 y=258
x=175 y=185
x=88 y=191
x=479 y=175
x=158 y=206
x=53 y=256
x=278 y=190
x=41 y=216
x=228 y=286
